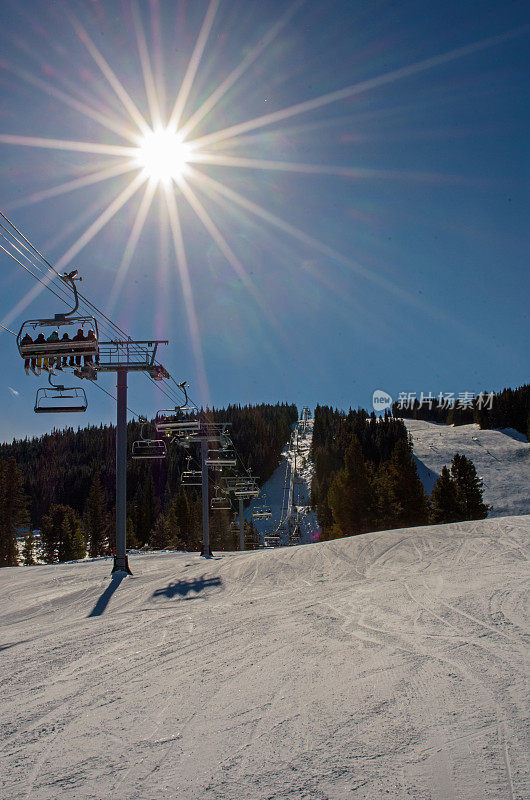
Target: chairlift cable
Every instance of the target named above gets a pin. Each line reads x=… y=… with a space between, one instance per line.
x=134 y=413
x=47 y=286
x=7 y=329
x=86 y=302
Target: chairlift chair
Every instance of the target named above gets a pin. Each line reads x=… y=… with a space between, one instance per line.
x=60 y=399
x=172 y=421
x=148 y=448
x=60 y=349
x=191 y=478
x=220 y=504
x=262 y=512
x=243 y=493
x=221 y=458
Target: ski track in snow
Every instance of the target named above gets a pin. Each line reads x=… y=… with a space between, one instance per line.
x=388 y=665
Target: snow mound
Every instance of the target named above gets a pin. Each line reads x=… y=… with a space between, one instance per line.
x=390 y=665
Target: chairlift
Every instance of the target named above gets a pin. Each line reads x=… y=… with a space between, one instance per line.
x=40 y=339
x=191 y=477
x=59 y=399
x=244 y=494
x=261 y=512
x=218 y=503
x=148 y=448
x=221 y=458
x=172 y=421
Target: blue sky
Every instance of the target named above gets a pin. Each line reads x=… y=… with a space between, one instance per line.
x=371 y=233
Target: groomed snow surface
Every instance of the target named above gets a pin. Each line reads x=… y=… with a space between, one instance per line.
x=389 y=665
x=501 y=458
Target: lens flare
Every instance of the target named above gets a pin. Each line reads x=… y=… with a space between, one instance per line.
x=163 y=156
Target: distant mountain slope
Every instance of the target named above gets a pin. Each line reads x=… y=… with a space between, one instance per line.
x=502 y=459
x=387 y=665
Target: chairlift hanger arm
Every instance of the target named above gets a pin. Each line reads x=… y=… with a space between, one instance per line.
x=69 y=278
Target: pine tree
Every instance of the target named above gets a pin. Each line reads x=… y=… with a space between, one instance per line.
x=148 y=511
x=221 y=537
x=445 y=506
x=406 y=487
x=72 y=544
x=388 y=507
x=97 y=520
x=51 y=533
x=469 y=489
x=61 y=535
x=132 y=541
x=13 y=511
x=28 y=551
x=165 y=532
x=252 y=537
x=185 y=517
x=351 y=495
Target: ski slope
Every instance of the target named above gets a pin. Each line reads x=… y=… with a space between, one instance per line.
x=388 y=665
x=287 y=493
x=501 y=457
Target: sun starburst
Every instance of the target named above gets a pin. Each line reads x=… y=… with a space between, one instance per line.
x=162 y=155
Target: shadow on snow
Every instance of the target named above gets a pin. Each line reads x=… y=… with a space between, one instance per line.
x=185 y=587
x=103 y=601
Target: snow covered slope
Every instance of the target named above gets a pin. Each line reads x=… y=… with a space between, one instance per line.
x=502 y=459
x=389 y=665
x=287 y=493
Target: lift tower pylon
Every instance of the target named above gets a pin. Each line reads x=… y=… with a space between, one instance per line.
x=123 y=357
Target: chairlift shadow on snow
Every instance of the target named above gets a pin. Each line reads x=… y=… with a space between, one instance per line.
x=103 y=601
x=184 y=587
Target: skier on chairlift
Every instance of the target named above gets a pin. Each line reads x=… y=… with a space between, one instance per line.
x=53 y=337
x=79 y=337
x=27 y=340
x=37 y=364
x=90 y=337
x=65 y=338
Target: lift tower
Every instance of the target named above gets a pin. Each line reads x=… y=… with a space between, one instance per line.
x=123 y=357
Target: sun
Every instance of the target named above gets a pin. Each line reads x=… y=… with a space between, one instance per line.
x=163 y=155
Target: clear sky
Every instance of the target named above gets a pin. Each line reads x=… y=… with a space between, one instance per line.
x=349 y=211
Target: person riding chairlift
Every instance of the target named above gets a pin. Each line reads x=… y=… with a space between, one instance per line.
x=26 y=340
x=65 y=338
x=90 y=337
x=79 y=337
x=53 y=337
x=38 y=363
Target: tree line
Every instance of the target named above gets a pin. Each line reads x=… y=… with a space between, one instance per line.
x=66 y=482
x=510 y=408
x=365 y=478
